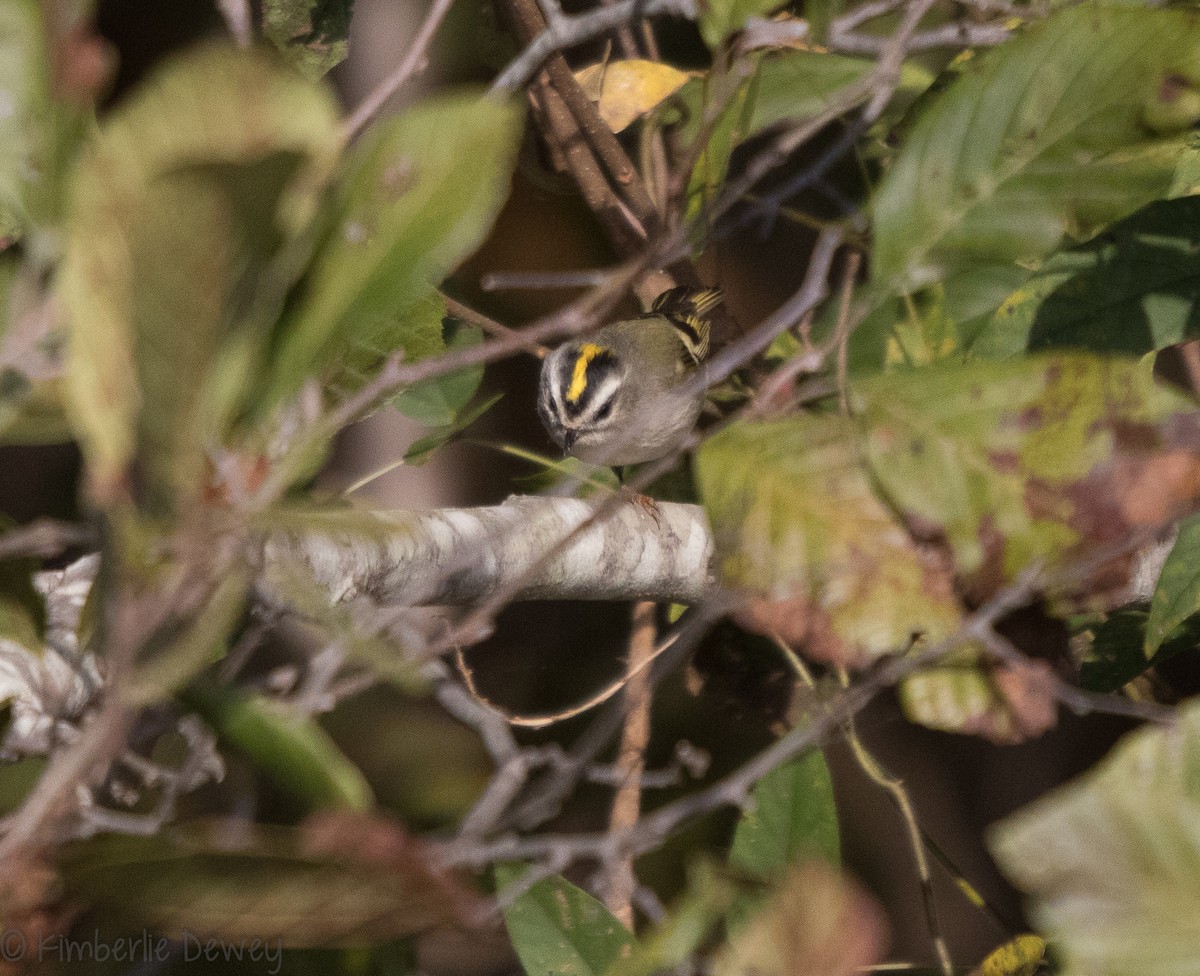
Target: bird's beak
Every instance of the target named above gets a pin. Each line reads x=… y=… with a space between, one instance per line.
x=569 y=440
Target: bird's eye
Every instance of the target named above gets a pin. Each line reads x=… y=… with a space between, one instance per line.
x=605 y=411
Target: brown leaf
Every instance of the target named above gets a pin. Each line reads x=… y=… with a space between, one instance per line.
x=818 y=923
x=337 y=880
x=1027 y=691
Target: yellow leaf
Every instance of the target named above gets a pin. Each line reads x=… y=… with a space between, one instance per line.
x=627 y=90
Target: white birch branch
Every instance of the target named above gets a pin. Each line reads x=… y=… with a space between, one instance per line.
x=661 y=551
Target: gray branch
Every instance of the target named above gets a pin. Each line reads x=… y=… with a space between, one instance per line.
x=658 y=551
x=564 y=30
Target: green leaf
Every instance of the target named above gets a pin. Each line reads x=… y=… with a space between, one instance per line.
x=167 y=661
x=1134 y=288
x=423 y=448
x=312 y=34
x=558 y=928
x=1031 y=461
x=337 y=879
x=795 y=517
x=419 y=194
x=793 y=817
x=1177 y=596
x=1111 y=861
x=1056 y=133
x=290 y=748
x=1114 y=647
x=179 y=206
x=720 y=18
x=437 y=401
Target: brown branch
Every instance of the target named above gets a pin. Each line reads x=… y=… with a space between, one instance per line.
x=489 y=325
x=621 y=225
x=631 y=758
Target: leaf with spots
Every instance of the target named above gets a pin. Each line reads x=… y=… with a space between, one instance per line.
x=796 y=519
x=1032 y=461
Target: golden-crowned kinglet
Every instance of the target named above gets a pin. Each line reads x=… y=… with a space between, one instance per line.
x=622 y=395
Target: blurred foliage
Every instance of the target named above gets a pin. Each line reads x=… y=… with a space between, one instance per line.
x=204 y=283
x=1111 y=860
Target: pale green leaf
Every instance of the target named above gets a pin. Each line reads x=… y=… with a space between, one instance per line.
x=1111 y=862
x=179 y=206
x=1054 y=134
x=1031 y=461
x=419 y=193
x=39 y=132
x=558 y=928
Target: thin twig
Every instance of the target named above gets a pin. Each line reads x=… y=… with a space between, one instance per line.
x=489 y=325
x=895 y=787
x=735 y=789
x=412 y=63
x=571 y=30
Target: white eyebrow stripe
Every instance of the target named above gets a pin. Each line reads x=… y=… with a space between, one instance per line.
x=601 y=396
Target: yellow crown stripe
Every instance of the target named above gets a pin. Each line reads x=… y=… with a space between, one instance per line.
x=587 y=352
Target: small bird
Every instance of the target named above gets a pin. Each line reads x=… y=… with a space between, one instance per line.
x=622 y=395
